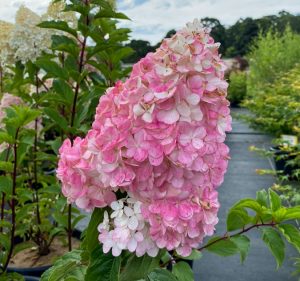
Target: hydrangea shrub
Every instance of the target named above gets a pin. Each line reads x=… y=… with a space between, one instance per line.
x=155 y=154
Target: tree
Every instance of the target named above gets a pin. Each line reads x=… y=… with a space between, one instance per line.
x=141 y=48
x=218 y=31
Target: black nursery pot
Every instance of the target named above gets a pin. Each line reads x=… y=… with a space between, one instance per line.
x=32 y=274
x=281 y=159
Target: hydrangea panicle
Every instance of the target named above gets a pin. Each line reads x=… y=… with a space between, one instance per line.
x=159 y=138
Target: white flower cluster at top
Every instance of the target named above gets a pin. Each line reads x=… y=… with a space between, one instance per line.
x=24 y=40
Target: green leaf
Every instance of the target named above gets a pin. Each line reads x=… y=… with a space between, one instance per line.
x=160 y=274
x=195 y=255
x=52 y=68
x=5 y=137
x=275 y=200
x=138 y=267
x=105 y=265
x=224 y=247
x=6 y=166
x=250 y=204
x=91 y=238
x=243 y=244
x=57 y=118
x=274 y=242
x=64 y=90
x=292 y=213
x=279 y=215
x=5 y=184
x=183 y=271
x=237 y=218
x=58 y=25
x=106 y=13
x=292 y=234
x=68 y=266
x=262 y=197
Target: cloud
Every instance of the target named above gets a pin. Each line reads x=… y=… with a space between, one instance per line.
x=152 y=19
x=9 y=8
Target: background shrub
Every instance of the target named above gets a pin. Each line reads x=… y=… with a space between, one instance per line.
x=237 y=87
x=276 y=108
x=271 y=56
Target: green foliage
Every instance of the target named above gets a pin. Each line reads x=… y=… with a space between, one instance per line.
x=105 y=265
x=68 y=267
x=183 y=271
x=275 y=107
x=237 y=87
x=265 y=213
x=137 y=268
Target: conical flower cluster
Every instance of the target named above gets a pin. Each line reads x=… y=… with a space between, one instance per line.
x=159 y=139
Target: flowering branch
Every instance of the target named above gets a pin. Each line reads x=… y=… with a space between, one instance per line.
x=244 y=230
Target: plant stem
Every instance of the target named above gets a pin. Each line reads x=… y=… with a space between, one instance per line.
x=73 y=114
x=38 y=216
x=3 y=194
x=13 y=202
x=226 y=236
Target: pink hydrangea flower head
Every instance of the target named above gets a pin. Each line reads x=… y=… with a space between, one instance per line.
x=158 y=138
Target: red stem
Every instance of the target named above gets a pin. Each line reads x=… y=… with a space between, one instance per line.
x=13 y=203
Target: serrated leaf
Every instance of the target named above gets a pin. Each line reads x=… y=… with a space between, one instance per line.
x=292 y=213
x=52 y=68
x=262 y=197
x=243 y=244
x=237 y=218
x=6 y=166
x=275 y=201
x=250 y=204
x=64 y=90
x=105 y=265
x=292 y=234
x=69 y=265
x=195 y=255
x=5 y=184
x=183 y=271
x=161 y=275
x=58 y=25
x=274 y=242
x=138 y=267
x=57 y=118
x=223 y=247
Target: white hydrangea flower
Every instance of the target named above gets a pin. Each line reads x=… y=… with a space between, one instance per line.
x=125 y=229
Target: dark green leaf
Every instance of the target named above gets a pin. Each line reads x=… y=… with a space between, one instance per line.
x=292 y=234
x=161 y=275
x=237 y=218
x=57 y=118
x=52 y=68
x=105 y=265
x=138 y=267
x=58 y=25
x=5 y=184
x=69 y=265
x=223 y=247
x=183 y=271
x=243 y=244
x=274 y=242
x=91 y=239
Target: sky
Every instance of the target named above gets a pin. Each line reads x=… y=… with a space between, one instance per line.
x=152 y=19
